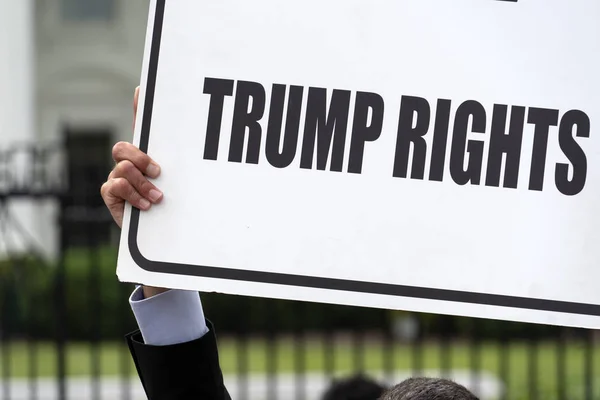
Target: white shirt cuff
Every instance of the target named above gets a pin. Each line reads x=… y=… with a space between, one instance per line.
x=172 y=317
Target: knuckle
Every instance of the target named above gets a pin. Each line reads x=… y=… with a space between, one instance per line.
x=119 y=148
x=104 y=189
x=145 y=186
x=125 y=167
x=128 y=190
x=120 y=184
x=143 y=160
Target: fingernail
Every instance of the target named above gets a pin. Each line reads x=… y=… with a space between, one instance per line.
x=144 y=204
x=153 y=170
x=154 y=195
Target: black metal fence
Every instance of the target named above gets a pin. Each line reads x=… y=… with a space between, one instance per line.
x=62 y=318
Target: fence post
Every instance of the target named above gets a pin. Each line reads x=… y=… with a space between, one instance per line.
x=475 y=353
x=300 y=350
x=589 y=364
x=271 y=349
x=95 y=307
x=329 y=353
x=4 y=342
x=389 y=348
x=417 y=348
x=61 y=315
x=561 y=359
x=445 y=346
x=533 y=369
x=124 y=357
x=243 y=365
x=504 y=364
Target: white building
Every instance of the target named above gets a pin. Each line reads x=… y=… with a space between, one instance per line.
x=68 y=69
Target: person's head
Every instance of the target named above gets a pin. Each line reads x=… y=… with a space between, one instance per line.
x=355 y=388
x=428 y=389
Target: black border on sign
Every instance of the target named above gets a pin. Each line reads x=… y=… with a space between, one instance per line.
x=313 y=281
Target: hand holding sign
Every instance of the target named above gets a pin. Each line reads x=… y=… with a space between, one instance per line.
x=127 y=181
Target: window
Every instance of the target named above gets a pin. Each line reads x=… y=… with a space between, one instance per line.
x=88 y=10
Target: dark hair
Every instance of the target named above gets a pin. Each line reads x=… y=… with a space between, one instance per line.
x=355 y=388
x=428 y=389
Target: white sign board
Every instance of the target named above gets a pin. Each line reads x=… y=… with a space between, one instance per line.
x=428 y=155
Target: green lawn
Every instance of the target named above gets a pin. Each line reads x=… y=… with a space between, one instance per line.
x=114 y=358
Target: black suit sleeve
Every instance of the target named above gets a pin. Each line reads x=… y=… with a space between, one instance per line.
x=186 y=371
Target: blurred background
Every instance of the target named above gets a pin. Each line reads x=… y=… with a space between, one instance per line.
x=68 y=69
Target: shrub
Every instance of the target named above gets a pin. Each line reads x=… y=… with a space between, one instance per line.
x=95 y=306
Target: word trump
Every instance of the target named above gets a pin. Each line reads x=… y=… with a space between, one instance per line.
x=326 y=130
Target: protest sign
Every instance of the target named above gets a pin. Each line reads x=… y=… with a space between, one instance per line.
x=427 y=155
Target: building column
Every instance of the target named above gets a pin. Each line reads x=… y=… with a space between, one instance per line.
x=17 y=102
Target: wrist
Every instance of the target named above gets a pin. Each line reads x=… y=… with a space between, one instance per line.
x=150 y=291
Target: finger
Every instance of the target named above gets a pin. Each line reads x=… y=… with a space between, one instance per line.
x=126 y=169
x=120 y=189
x=126 y=151
x=136 y=97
